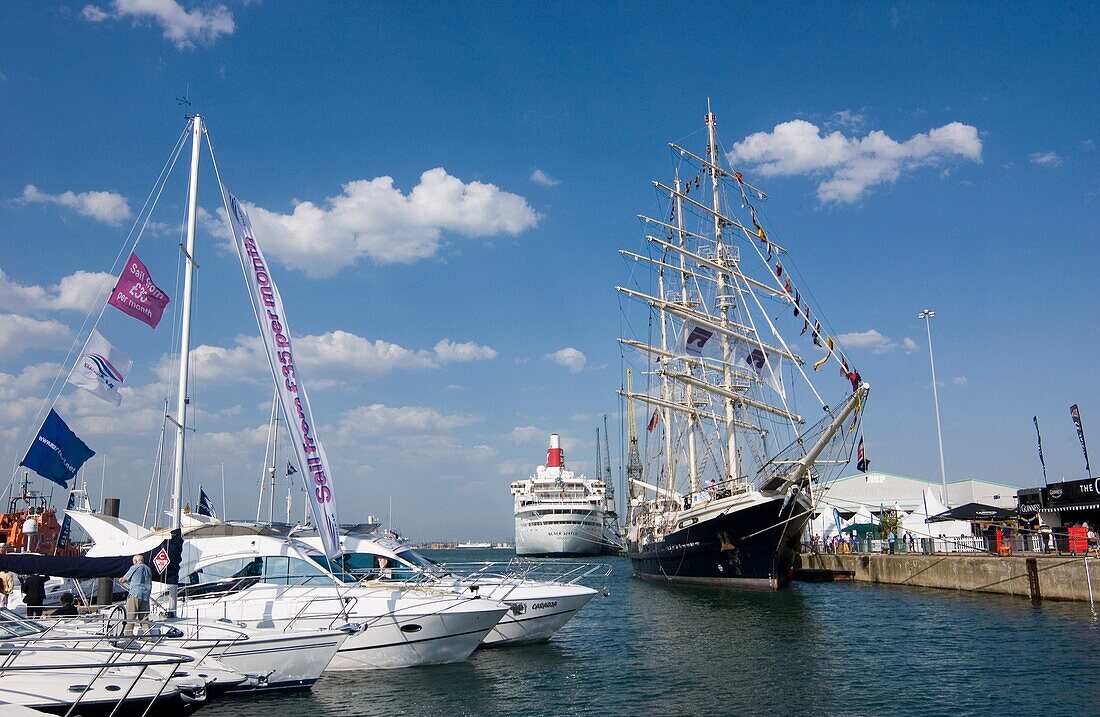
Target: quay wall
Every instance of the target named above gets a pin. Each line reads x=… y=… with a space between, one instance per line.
x=1050 y=577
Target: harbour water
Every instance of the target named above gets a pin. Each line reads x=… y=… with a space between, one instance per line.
x=816 y=649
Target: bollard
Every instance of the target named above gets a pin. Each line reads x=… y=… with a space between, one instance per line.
x=105 y=588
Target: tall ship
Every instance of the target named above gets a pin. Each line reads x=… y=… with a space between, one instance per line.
x=558 y=512
x=730 y=346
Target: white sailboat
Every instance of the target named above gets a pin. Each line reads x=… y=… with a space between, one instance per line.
x=739 y=434
x=251 y=575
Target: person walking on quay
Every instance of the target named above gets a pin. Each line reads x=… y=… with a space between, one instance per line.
x=138 y=582
x=34 y=592
x=891 y=538
x=7 y=581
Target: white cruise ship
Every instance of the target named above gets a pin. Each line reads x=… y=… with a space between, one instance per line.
x=560 y=513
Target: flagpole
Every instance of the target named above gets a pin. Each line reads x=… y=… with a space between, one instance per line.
x=225 y=510
x=927 y=315
x=185 y=337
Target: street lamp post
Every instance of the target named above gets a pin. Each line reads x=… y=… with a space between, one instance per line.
x=927 y=316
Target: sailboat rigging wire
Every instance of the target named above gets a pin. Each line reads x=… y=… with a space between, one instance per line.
x=153 y=196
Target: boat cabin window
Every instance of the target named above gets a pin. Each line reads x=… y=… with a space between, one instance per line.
x=235 y=568
x=293 y=571
x=240 y=573
x=369 y=565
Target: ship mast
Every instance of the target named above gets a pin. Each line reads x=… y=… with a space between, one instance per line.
x=732 y=463
x=693 y=468
x=666 y=387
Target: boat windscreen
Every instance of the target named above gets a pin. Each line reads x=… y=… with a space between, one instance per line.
x=12 y=625
x=415 y=558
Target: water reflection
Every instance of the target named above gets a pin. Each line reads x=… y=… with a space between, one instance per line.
x=817 y=649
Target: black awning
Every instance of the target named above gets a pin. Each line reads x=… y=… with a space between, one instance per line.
x=975 y=512
x=112 y=567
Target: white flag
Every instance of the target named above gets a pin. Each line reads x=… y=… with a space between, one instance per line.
x=275 y=332
x=101 y=369
x=698 y=340
x=768 y=368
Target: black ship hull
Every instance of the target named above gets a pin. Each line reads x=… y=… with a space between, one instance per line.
x=750 y=547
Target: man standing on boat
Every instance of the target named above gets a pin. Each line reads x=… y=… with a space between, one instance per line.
x=138 y=582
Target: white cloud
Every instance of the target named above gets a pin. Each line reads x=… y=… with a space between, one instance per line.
x=373 y=219
x=846 y=119
x=960 y=380
x=378 y=419
x=851 y=165
x=870 y=339
x=447 y=350
x=528 y=434
x=29 y=379
x=541 y=177
x=1046 y=159
x=107 y=207
x=183 y=27
x=77 y=292
x=325 y=359
x=94 y=13
x=339 y=353
x=570 y=358
x=18 y=333
x=909 y=345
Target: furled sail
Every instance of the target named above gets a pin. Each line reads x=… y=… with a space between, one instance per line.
x=275 y=332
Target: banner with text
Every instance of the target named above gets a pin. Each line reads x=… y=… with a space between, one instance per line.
x=292 y=394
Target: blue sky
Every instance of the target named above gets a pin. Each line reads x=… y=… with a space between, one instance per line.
x=520 y=141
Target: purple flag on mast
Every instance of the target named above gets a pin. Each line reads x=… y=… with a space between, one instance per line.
x=136 y=294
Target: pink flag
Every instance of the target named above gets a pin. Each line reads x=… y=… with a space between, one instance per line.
x=136 y=294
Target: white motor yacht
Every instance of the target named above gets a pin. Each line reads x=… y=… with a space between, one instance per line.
x=74 y=672
x=255 y=577
x=536 y=608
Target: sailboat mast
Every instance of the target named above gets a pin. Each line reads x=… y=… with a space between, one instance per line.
x=723 y=297
x=185 y=332
x=274 y=466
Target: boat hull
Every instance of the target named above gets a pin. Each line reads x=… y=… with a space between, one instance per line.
x=536 y=611
x=566 y=535
x=750 y=546
x=404 y=627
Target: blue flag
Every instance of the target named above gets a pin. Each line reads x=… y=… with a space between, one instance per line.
x=57 y=453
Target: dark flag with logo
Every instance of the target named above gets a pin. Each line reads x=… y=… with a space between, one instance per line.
x=66 y=525
x=1039 y=438
x=290 y=469
x=57 y=453
x=1076 y=415
x=861 y=458
x=205 y=505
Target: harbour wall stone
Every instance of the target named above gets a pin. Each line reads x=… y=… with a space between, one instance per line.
x=1049 y=577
